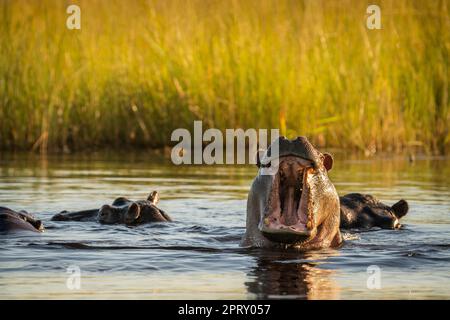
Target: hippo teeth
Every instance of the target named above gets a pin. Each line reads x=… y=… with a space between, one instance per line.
x=310 y=223
x=289 y=209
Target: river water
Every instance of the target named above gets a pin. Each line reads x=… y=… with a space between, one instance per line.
x=198 y=256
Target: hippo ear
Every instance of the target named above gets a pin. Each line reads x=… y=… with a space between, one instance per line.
x=38 y=225
x=400 y=208
x=327 y=161
x=153 y=197
x=133 y=213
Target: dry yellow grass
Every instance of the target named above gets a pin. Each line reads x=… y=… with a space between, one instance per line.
x=139 y=69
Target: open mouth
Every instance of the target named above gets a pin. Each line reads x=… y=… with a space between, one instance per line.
x=288 y=217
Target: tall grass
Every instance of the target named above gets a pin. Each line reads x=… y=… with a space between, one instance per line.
x=139 y=69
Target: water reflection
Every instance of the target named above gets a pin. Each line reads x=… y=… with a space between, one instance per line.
x=292 y=275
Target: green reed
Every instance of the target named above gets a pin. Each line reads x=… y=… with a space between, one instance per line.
x=137 y=70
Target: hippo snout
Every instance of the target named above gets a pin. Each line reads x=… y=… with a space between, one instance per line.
x=104 y=209
x=108 y=215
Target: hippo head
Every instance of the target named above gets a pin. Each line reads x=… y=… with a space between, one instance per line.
x=384 y=216
x=365 y=211
x=11 y=220
x=297 y=202
x=37 y=224
x=123 y=210
x=27 y=217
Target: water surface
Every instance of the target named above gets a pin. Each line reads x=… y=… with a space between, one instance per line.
x=198 y=256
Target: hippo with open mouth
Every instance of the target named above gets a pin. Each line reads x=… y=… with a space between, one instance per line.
x=121 y=211
x=11 y=221
x=296 y=205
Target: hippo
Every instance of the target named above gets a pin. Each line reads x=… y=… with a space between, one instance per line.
x=365 y=211
x=296 y=206
x=11 y=221
x=121 y=211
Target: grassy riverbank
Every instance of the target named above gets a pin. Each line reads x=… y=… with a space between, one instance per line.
x=137 y=70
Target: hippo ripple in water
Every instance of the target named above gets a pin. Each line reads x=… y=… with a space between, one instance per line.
x=121 y=211
x=296 y=206
x=11 y=221
x=365 y=211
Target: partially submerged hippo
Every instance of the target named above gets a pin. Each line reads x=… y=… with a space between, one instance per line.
x=11 y=221
x=296 y=206
x=122 y=210
x=365 y=211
